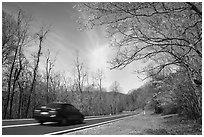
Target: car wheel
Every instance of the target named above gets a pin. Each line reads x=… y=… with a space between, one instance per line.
x=63 y=121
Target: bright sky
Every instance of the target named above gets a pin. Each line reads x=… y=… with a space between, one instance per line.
x=65 y=39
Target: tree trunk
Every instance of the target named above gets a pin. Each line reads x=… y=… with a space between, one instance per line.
x=34 y=77
x=9 y=83
x=16 y=76
x=19 y=100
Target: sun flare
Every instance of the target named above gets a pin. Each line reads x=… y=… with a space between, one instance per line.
x=98 y=58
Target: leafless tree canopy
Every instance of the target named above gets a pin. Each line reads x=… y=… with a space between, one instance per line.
x=170 y=34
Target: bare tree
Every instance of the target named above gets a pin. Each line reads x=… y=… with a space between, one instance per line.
x=23 y=86
x=15 y=37
x=80 y=73
x=41 y=35
x=99 y=76
x=115 y=88
x=49 y=65
x=9 y=26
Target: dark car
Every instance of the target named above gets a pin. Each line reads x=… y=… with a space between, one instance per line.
x=58 y=112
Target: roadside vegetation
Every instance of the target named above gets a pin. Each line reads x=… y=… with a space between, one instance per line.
x=167 y=36
x=146 y=124
x=176 y=125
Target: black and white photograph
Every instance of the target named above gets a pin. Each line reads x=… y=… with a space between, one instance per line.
x=101 y=68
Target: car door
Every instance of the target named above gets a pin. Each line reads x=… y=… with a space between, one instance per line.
x=69 y=112
x=75 y=113
x=64 y=111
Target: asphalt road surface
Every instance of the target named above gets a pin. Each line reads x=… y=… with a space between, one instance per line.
x=31 y=127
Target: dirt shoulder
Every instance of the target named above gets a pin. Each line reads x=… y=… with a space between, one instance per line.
x=141 y=124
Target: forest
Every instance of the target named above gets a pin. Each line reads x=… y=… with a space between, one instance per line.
x=168 y=35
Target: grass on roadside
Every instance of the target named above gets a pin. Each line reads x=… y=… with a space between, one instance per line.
x=177 y=125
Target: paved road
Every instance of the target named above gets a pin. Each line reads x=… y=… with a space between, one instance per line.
x=31 y=127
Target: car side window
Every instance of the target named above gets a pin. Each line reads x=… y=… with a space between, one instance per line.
x=68 y=108
x=73 y=109
x=64 y=107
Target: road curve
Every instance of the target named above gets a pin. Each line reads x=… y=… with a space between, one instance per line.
x=31 y=127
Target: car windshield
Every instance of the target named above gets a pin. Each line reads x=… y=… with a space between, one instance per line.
x=54 y=105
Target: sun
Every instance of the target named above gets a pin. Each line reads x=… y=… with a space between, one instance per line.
x=98 y=58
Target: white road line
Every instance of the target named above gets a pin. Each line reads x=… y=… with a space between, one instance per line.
x=106 y=117
x=85 y=127
x=171 y=115
x=16 y=119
